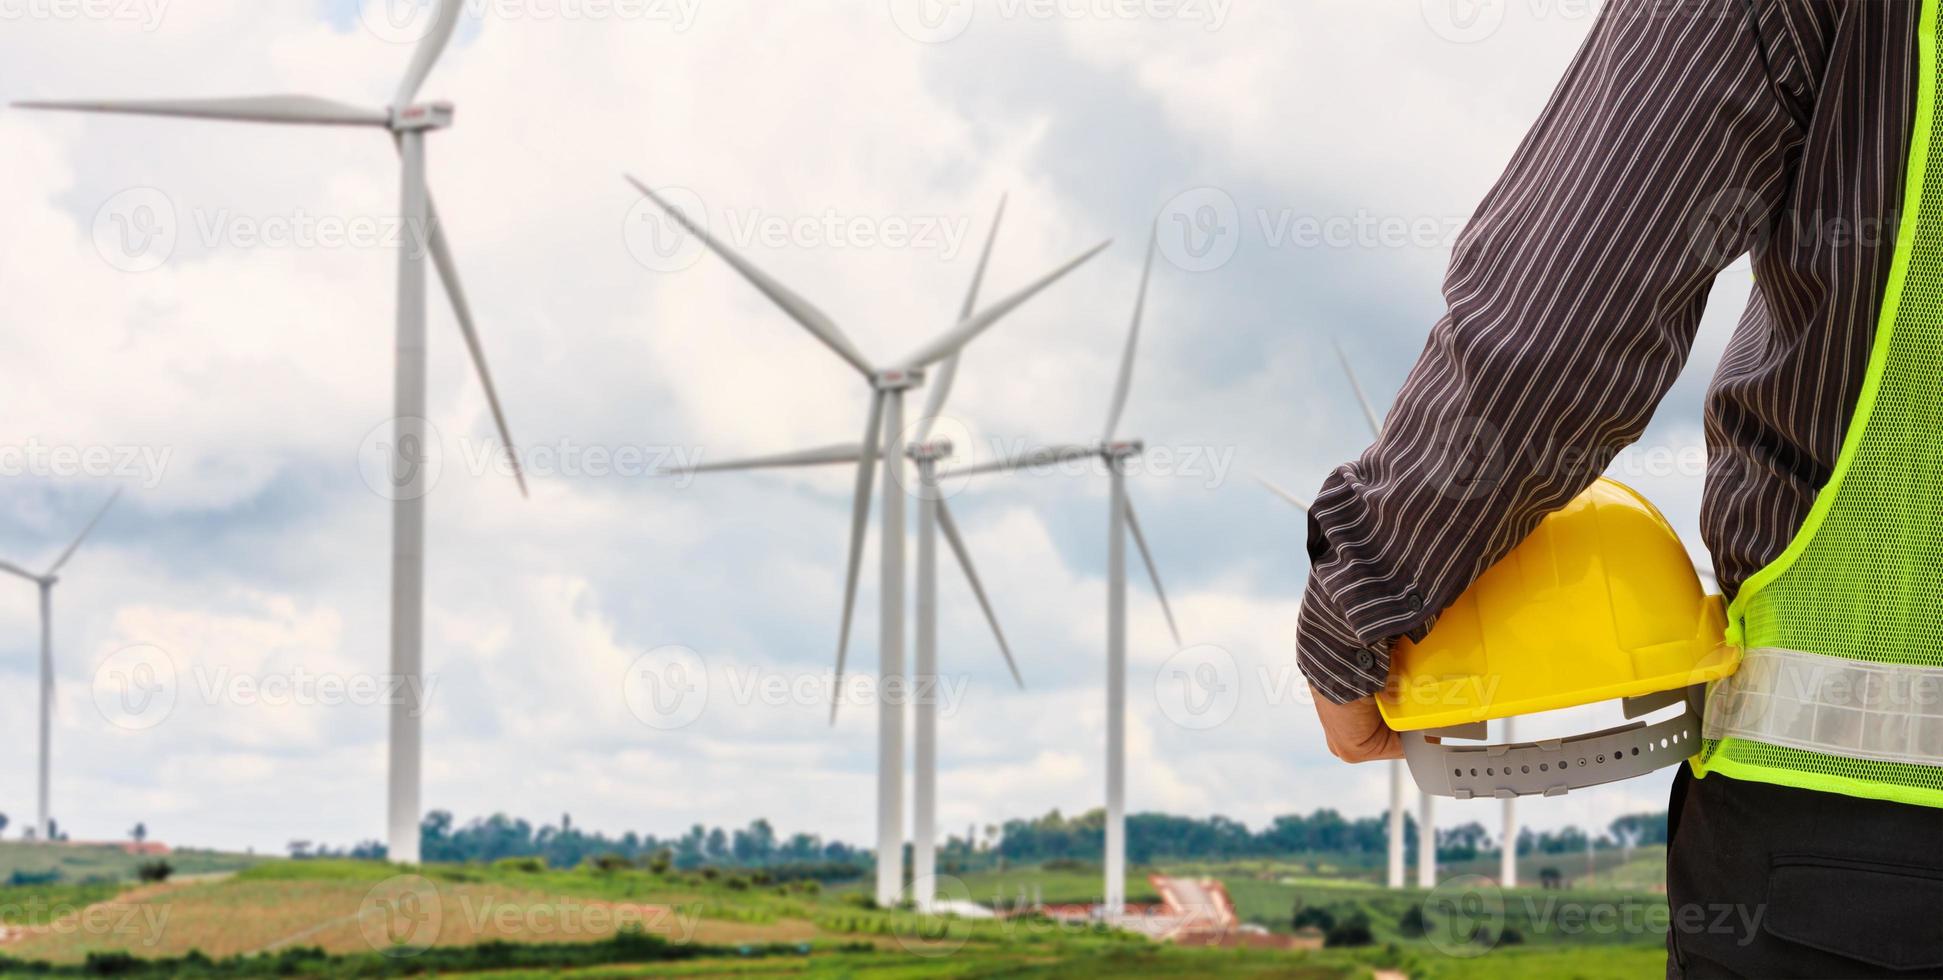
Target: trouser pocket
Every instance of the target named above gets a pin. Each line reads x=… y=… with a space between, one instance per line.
x=1884 y=915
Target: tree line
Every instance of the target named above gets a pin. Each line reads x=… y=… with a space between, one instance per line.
x=1155 y=837
x=1151 y=837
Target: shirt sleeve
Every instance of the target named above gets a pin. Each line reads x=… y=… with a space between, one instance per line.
x=1572 y=298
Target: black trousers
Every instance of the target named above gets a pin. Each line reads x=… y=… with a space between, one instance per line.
x=1768 y=881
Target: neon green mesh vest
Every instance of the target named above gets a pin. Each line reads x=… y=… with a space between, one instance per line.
x=1841 y=689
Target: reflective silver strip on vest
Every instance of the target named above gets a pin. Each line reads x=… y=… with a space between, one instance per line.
x=1833 y=706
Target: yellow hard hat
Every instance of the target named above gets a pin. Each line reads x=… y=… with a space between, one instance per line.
x=1600 y=603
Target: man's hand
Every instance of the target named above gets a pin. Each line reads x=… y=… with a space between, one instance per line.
x=1356 y=731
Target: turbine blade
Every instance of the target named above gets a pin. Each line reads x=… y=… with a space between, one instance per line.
x=941 y=382
x=848 y=452
x=13 y=569
x=950 y=528
x=1153 y=571
x=429 y=49
x=292 y=109
x=455 y=290
x=957 y=337
x=1125 y=383
x=1037 y=457
x=859 y=524
x=1299 y=503
x=798 y=308
x=1369 y=412
x=83 y=536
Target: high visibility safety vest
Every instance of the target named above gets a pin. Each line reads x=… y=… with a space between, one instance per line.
x=1841 y=685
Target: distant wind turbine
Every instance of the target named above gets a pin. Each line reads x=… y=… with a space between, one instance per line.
x=46 y=582
x=883 y=436
x=1395 y=876
x=1122 y=523
x=408 y=123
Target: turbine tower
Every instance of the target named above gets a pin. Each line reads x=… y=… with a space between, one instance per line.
x=935 y=516
x=408 y=122
x=1426 y=867
x=1395 y=877
x=883 y=435
x=1116 y=453
x=1508 y=858
x=43 y=819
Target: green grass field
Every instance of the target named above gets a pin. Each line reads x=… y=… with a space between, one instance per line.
x=343 y=918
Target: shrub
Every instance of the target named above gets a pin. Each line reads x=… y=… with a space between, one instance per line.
x=154 y=871
x=861 y=900
x=1313 y=917
x=737 y=883
x=1412 y=922
x=1354 y=931
x=1511 y=937
x=711 y=874
x=522 y=865
x=660 y=861
x=609 y=863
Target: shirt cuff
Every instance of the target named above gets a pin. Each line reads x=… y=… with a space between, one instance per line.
x=1339 y=666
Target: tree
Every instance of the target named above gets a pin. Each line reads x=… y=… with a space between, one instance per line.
x=1354 y=931
x=1550 y=878
x=3 y=823
x=138 y=833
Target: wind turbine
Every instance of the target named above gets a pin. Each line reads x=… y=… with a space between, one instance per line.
x=883 y=435
x=935 y=516
x=408 y=123
x=1116 y=453
x=46 y=582
x=1394 y=878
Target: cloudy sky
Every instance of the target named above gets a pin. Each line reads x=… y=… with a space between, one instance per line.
x=200 y=314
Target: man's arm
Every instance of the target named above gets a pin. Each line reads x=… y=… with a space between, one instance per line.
x=1573 y=297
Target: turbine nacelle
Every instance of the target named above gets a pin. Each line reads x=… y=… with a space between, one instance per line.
x=422 y=117
x=897 y=379
x=1121 y=449
x=929 y=452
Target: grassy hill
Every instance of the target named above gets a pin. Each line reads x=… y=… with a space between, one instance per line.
x=77 y=863
x=343 y=918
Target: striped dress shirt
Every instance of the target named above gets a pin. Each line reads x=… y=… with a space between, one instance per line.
x=1686 y=134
